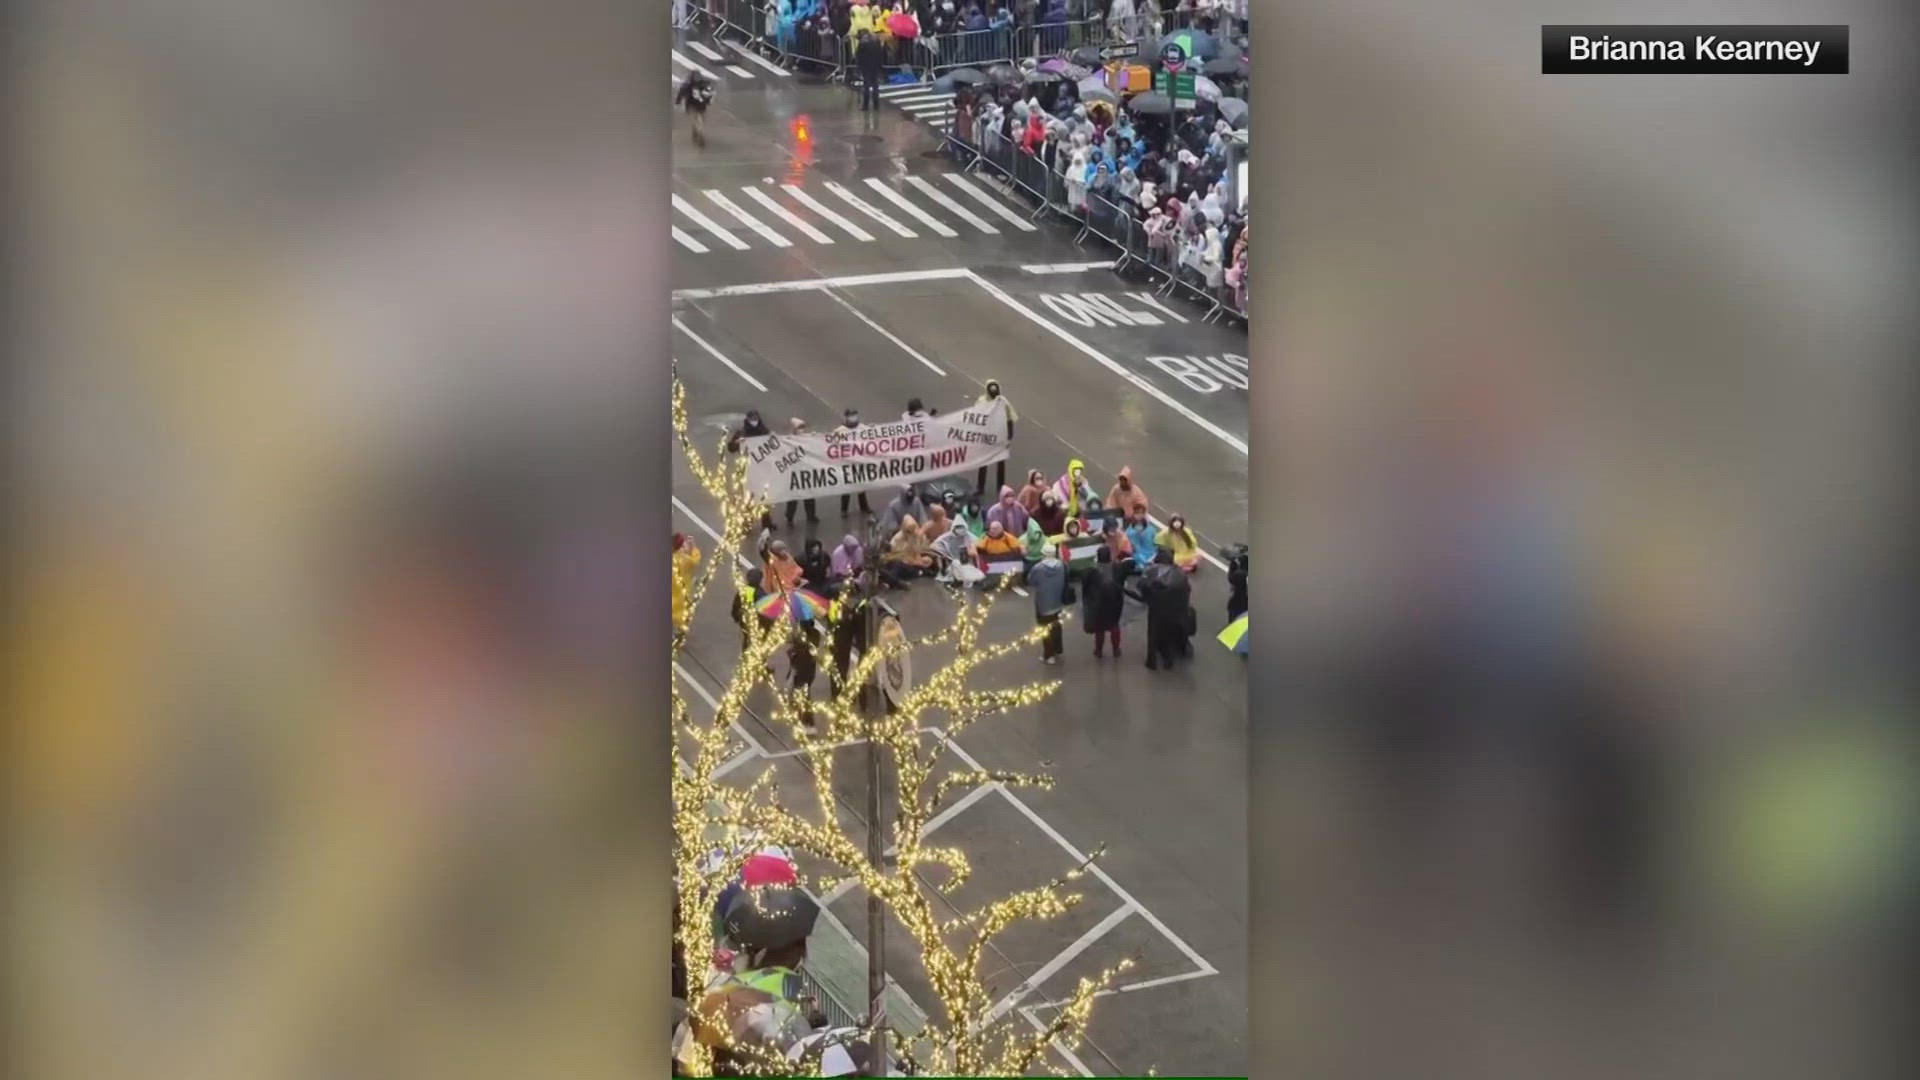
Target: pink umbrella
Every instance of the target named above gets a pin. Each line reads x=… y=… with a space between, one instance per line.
x=902 y=26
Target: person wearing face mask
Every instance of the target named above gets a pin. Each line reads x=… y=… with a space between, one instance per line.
x=1050 y=515
x=813 y=513
x=1180 y=542
x=985 y=400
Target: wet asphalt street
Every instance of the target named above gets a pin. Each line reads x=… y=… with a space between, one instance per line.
x=800 y=292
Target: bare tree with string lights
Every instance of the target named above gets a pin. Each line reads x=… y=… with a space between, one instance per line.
x=969 y=1037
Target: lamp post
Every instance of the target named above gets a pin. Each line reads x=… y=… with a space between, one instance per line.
x=870 y=706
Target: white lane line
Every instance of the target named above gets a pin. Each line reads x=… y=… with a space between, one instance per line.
x=954 y=810
x=988 y=201
x=737 y=760
x=818 y=207
x=846 y=886
x=787 y=215
x=1066 y=268
x=891 y=277
x=946 y=200
x=1154 y=301
x=913 y=90
x=714 y=704
x=1078 y=857
x=903 y=203
x=758 y=59
x=1046 y=970
x=1059 y=1047
x=873 y=212
x=687 y=241
x=717 y=355
x=708 y=223
x=885 y=333
x=706 y=50
x=1100 y=358
x=1128 y=988
x=679 y=59
x=740 y=71
x=720 y=199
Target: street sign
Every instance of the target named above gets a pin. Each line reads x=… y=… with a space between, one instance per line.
x=1123 y=49
x=1173 y=56
x=1177 y=86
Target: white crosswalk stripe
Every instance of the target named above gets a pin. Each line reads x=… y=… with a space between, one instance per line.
x=771 y=67
x=987 y=200
x=684 y=62
x=873 y=212
x=706 y=50
x=787 y=215
x=720 y=199
x=895 y=197
x=783 y=215
x=707 y=223
x=740 y=71
x=800 y=196
x=959 y=211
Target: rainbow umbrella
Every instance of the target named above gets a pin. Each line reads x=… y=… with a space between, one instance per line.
x=798 y=605
x=1235 y=635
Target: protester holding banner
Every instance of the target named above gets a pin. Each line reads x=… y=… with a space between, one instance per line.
x=1033 y=542
x=999 y=546
x=922 y=445
x=986 y=401
x=850 y=422
x=813 y=515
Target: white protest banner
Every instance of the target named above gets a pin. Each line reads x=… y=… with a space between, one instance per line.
x=783 y=467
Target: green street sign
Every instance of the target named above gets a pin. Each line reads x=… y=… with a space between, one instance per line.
x=1177 y=86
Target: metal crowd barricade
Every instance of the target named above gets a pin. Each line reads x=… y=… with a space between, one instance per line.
x=1052 y=39
x=972 y=48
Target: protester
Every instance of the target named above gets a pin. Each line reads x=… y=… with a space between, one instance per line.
x=1068 y=533
x=1103 y=600
x=969 y=515
x=1008 y=512
x=799 y=427
x=915 y=409
x=1036 y=486
x=849 y=558
x=751 y=427
x=1143 y=537
x=955 y=545
x=1050 y=516
x=816 y=567
x=1180 y=542
x=1115 y=540
x=908 y=548
x=985 y=400
x=686 y=557
x=849 y=421
x=1047 y=581
x=1033 y=541
x=782 y=572
x=1167 y=594
x=999 y=543
x=1125 y=495
x=905 y=505
x=938 y=524
x=1073 y=490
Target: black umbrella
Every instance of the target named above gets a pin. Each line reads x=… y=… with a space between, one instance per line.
x=966 y=76
x=1041 y=77
x=1225 y=65
x=1151 y=103
x=1004 y=75
x=771 y=918
x=1086 y=56
x=1233 y=111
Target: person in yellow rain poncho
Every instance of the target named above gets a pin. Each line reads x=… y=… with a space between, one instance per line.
x=1074 y=490
x=1179 y=540
x=686 y=558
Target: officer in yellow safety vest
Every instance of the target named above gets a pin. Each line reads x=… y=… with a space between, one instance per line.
x=759 y=1010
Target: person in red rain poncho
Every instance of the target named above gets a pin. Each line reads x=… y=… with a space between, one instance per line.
x=1035 y=134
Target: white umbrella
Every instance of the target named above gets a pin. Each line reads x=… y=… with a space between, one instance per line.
x=1205 y=89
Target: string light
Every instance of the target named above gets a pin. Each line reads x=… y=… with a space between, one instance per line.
x=717 y=826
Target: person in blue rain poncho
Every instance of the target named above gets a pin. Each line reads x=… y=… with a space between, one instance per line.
x=1141 y=535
